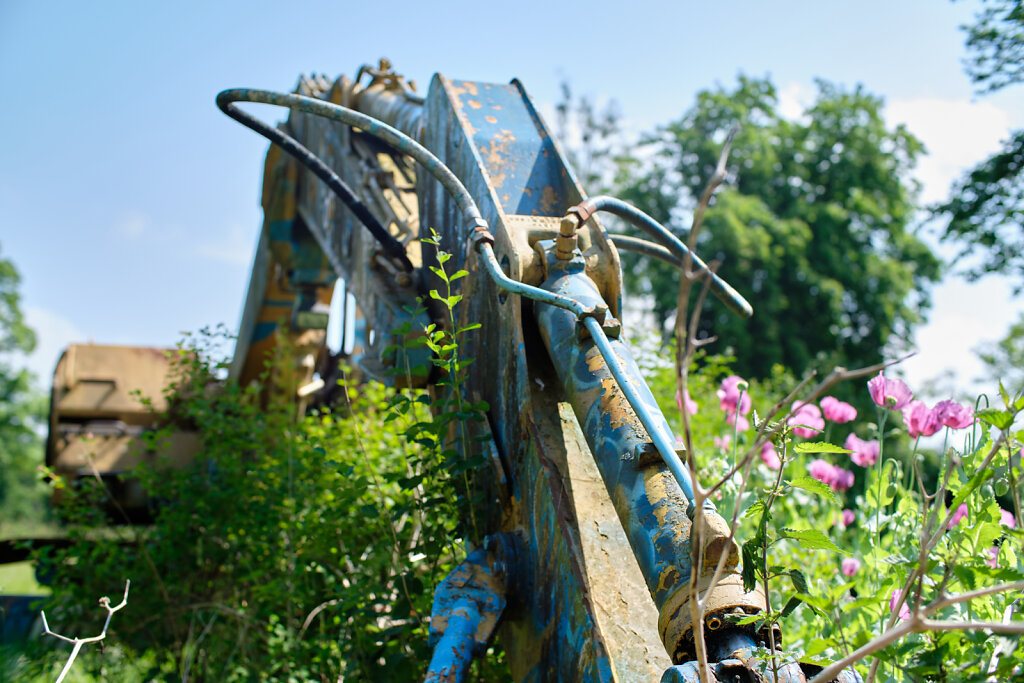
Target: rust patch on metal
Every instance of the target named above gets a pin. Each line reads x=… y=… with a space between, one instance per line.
x=491 y=119
x=548 y=200
x=496 y=155
x=475 y=104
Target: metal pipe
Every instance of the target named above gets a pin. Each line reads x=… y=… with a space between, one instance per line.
x=454 y=651
x=392 y=247
x=397 y=139
x=646 y=248
x=719 y=287
x=530 y=292
x=421 y=154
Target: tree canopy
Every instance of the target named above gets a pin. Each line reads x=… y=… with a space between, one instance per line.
x=986 y=206
x=814 y=227
x=21 y=406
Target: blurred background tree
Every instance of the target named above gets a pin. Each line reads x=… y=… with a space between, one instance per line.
x=986 y=206
x=814 y=226
x=22 y=409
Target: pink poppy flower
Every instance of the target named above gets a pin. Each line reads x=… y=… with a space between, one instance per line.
x=809 y=415
x=993 y=561
x=894 y=600
x=851 y=565
x=742 y=423
x=889 y=393
x=848 y=517
x=865 y=453
x=954 y=415
x=837 y=411
x=836 y=477
x=960 y=513
x=722 y=442
x=821 y=470
x=841 y=480
x=684 y=400
x=1006 y=518
x=770 y=456
x=920 y=420
x=732 y=398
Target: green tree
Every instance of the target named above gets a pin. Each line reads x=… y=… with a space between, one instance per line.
x=986 y=207
x=814 y=227
x=22 y=408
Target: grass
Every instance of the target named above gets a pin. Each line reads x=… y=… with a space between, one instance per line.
x=19 y=578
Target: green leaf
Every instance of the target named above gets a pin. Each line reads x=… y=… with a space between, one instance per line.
x=757 y=507
x=977 y=480
x=457 y=274
x=799 y=580
x=967 y=576
x=750 y=557
x=742 y=621
x=819 y=447
x=818 y=646
x=812 y=485
x=1000 y=419
x=811 y=539
x=791 y=605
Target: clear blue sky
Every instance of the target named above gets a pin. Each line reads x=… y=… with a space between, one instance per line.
x=130 y=204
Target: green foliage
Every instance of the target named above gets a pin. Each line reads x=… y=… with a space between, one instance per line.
x=291 y=547
x=22 y=410
x=985 y=206
x=995 y=43
x=984 y=209
x=813 y=228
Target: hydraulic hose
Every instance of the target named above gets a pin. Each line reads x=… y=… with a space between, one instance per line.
x=406 y=145
x=644 y=247
x=392 y=247
x=719 y=287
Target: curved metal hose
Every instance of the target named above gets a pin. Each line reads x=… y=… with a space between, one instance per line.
x=719 y=287
x=392 y=247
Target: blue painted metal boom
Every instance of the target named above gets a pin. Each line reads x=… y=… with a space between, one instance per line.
x=592 y=537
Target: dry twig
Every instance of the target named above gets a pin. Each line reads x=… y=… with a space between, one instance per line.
x=77 y=643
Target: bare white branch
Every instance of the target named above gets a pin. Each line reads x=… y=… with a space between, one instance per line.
x=77 y=643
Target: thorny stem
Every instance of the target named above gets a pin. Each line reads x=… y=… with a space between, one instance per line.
x=79 y=642
x=685 y=346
